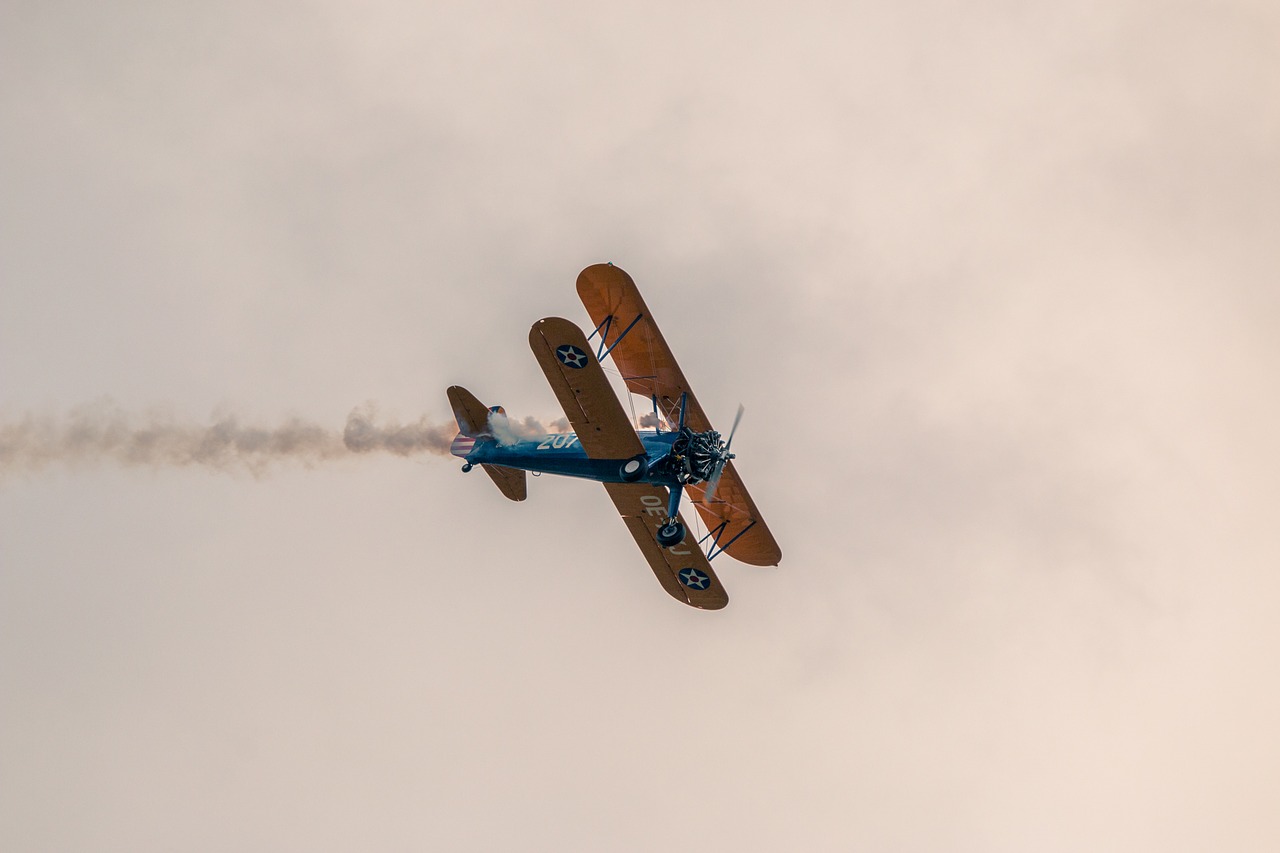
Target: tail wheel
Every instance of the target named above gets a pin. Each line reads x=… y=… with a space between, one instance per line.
x=634 y=468
x=671 y=533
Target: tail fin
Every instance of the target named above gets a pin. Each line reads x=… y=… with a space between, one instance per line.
x=473 y=423
x=471 y=414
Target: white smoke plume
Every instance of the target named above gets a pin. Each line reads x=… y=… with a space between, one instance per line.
x=101 y=432
x=508 y=431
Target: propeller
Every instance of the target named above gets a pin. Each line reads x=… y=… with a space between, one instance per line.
x=722 y=459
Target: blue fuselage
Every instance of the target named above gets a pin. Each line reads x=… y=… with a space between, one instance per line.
x=561 y=453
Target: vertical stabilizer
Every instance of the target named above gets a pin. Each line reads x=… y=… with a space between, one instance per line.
x=472 y=415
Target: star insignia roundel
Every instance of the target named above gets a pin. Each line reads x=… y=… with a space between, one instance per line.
x=571 y=356
x=694 y=578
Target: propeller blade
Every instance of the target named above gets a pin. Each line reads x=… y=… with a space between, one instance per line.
x=710 y=494
x=736 y=420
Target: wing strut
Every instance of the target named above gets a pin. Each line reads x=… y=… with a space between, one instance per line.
x=716 y=548
x=603 y=331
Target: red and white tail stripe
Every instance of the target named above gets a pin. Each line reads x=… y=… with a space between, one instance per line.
x=462 y=445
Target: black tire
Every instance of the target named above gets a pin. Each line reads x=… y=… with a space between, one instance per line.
x=671 y=533
x=634 y=468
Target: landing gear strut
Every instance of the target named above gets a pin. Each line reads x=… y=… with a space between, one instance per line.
x=672 y=530
x=671 y=533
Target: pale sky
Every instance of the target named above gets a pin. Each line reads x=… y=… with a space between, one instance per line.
x=996 y=282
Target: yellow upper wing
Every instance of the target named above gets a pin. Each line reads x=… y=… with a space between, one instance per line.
x=649 y=368
x=641 y=354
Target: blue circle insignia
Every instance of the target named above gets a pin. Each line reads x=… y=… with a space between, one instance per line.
x=571 y=356
x=694 y=578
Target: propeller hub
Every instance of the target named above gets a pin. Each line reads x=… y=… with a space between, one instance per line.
x=700 y=457
x=703 y=451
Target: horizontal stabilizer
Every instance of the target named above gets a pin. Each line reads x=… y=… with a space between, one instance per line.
x=512 y=482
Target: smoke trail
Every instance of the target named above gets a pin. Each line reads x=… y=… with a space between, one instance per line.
x=102 y=432
x=364 y=435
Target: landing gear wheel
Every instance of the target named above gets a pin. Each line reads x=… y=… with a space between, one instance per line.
x=634 y=468
x=671 y=533
x=466 y=467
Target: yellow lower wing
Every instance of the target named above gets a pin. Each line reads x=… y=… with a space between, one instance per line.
x=682 y=569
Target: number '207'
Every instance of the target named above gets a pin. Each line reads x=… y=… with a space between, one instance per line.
x=567 y=439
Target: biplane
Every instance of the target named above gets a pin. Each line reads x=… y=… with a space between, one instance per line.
x=646 y=472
